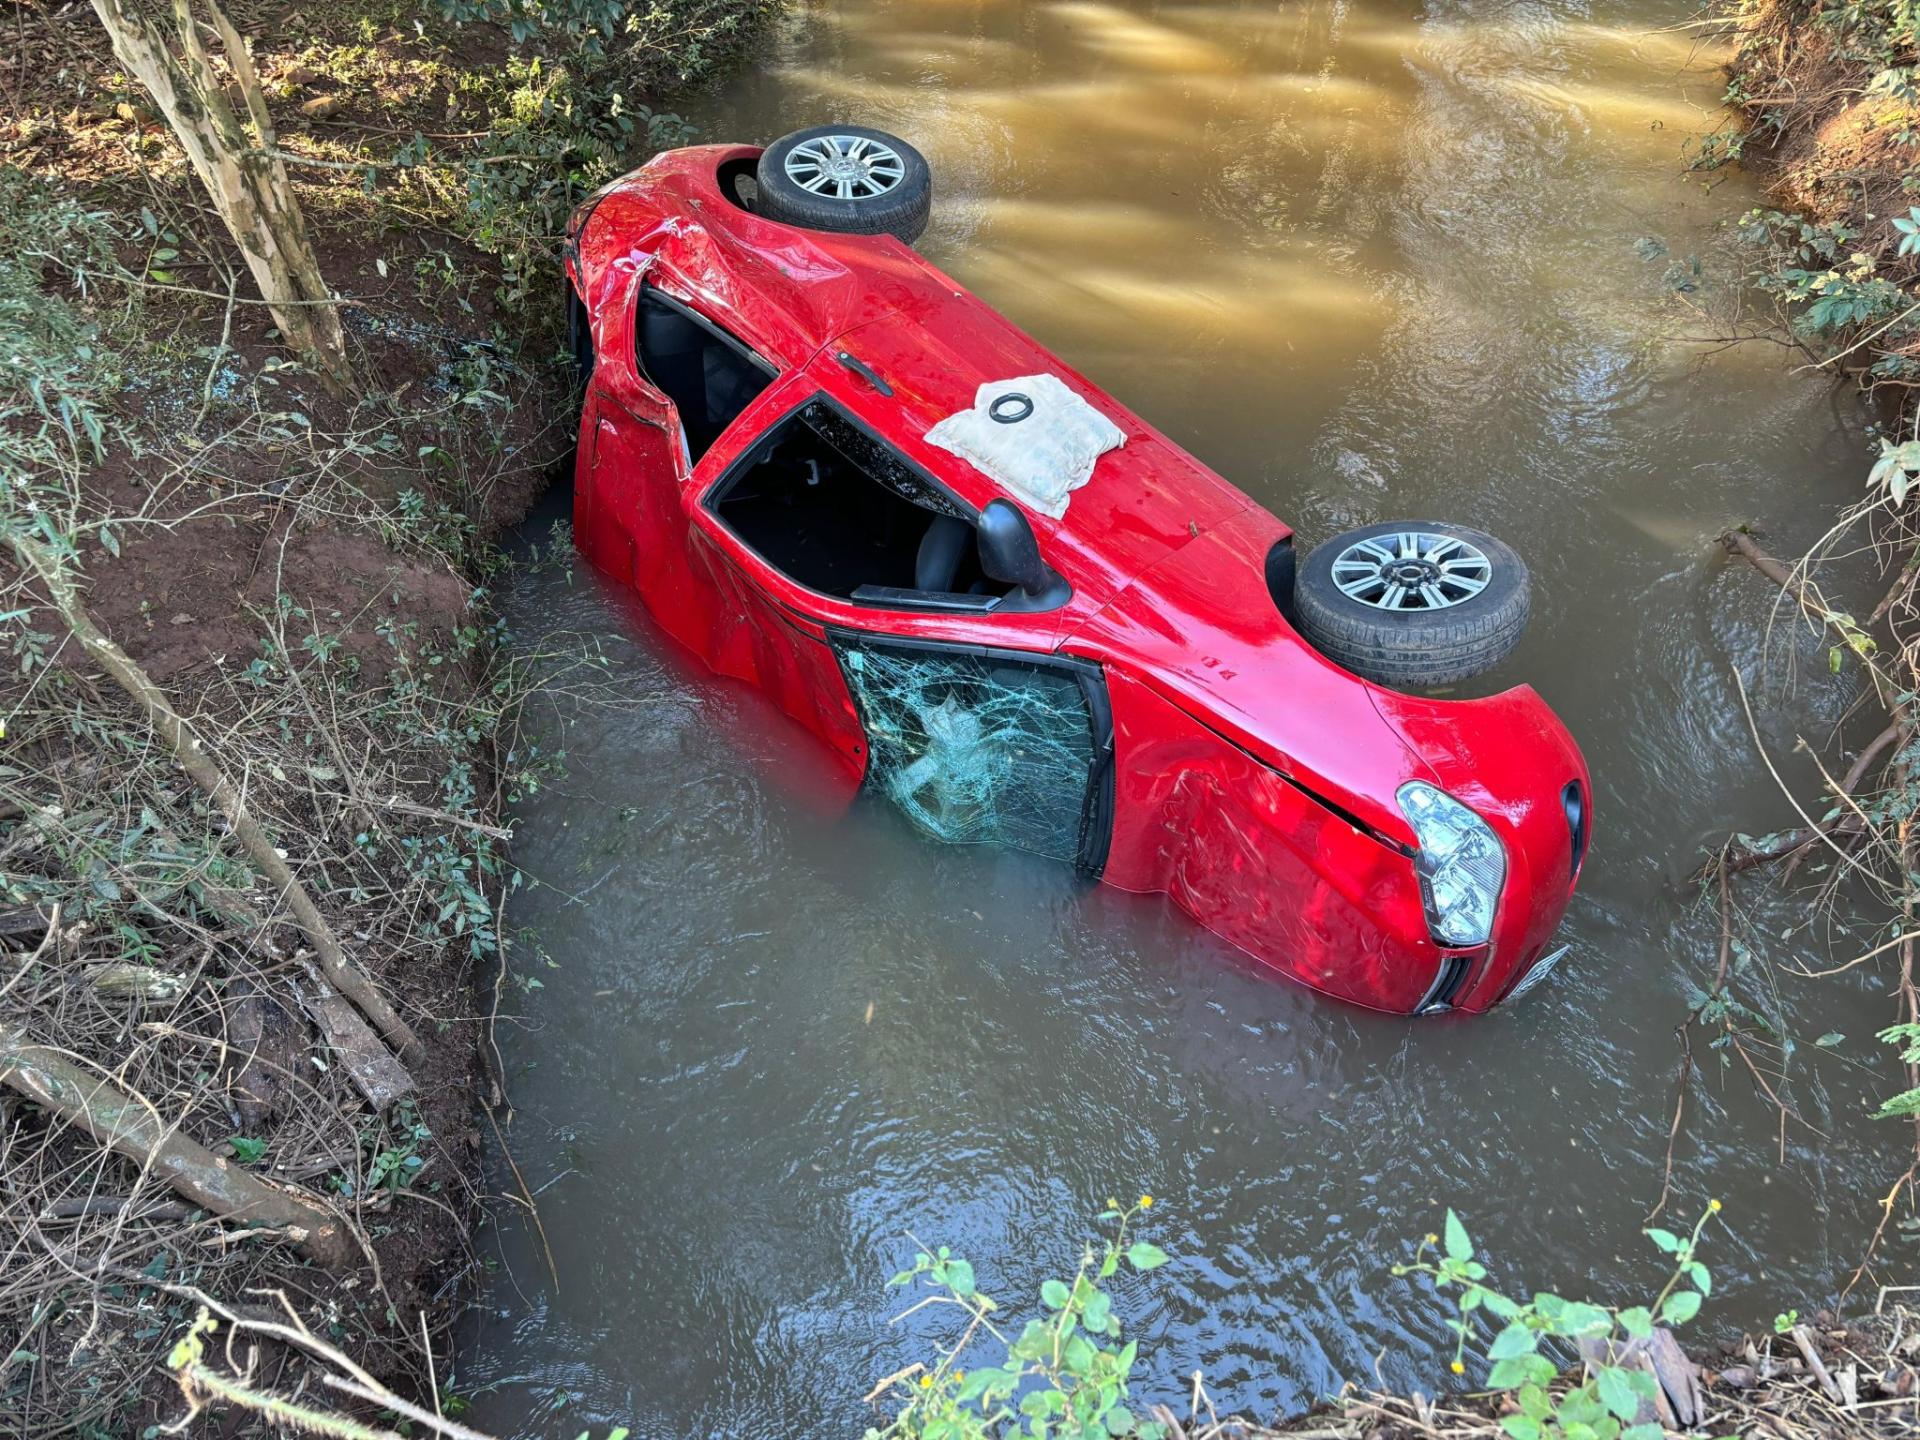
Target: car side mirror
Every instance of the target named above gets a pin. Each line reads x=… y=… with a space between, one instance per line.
x=1010 y=553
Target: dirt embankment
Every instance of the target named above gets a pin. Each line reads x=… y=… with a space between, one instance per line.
x=1828 y=100
x=304 y=576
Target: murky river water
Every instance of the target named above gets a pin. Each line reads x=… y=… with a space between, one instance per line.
x=1368 y=260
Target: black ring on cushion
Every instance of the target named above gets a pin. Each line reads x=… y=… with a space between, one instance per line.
x=1012 y=397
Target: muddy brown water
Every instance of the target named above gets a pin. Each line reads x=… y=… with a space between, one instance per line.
x=1368 y=261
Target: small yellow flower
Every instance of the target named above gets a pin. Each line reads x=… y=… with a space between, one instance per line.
x=1146 y=1202
x=1432 y=1239
x=1458 y=1368
x=1714 y=1205
x=958 y=1376
x=926 y=1382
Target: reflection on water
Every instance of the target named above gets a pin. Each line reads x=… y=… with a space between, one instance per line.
x=1368 y=261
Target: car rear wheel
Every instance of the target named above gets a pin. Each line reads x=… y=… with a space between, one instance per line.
x=846 y=178
x=1414 y=603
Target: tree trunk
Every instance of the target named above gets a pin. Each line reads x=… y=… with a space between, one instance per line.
x=340 y=971
x=133 y=1129
x=243 y=173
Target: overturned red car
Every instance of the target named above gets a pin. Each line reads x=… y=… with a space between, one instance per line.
x=1026 y=617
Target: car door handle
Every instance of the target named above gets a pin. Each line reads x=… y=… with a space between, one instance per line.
x=866 y=372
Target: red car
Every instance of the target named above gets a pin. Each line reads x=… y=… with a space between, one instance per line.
x=1133 y=678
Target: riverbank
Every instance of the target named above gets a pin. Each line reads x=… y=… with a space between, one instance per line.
x=1829 y=110
x=304 y=577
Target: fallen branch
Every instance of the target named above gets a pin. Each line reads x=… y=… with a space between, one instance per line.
x=132 y=1129
x=340 y=971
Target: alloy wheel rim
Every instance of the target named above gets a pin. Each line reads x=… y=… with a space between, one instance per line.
x=1411 y=570
x=845 y=167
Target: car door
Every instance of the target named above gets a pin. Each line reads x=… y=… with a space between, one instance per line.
x=963 y=717
x=659 y=400
x=626 y=513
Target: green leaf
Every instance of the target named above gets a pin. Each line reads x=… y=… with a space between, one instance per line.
x=1681 y=1307
x=1665 y=1239
x=1077 y=1355
x=247 y=1151
x=1830 y=1039
x=1580 y=1318
x=976 y=1383
x=1054 y=1295
x=1650 y=1431
x=1637 y=1322
x=1035 y=1341
x=1697 y=1273
x=1458 y=1246
x=1520 y=1427
x=1519 y=1338
x=1111 y=1262
x=1617 y=1395
x=1502 y=1307
x=1521 y=1370
x=1143 y=1255
x=1098 y=1311
x=1119 y=1421
x=1535 y=1402
x=960 y=1278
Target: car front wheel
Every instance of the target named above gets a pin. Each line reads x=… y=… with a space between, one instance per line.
x=1414 y=603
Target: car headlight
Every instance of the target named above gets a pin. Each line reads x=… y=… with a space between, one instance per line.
x=1461 y=864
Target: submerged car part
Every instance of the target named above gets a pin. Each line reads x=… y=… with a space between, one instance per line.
x=985 y=748
x=1123 y=687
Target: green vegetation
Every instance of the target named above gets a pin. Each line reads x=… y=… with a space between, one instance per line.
x=1603 y=1401
x=1829 y=95
x=1067 y=1366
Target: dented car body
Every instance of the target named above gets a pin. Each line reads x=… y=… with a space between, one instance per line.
x=752 y=463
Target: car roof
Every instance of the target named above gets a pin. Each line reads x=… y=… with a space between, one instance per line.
x=793 y=294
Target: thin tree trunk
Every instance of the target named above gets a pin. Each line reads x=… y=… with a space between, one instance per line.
x=132 y=1129
x=242 y=173
x=341 y=972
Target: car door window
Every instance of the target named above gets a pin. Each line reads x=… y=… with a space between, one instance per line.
x=708 y=375
x=981 y=746
x=834 y=508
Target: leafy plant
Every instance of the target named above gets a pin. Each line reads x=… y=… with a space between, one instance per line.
x=1908 y=1102
x=1602 y=1405
x=1909 y=227
x=1065 y=1375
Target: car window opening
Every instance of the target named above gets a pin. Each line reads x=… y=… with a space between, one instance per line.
x=709 y=376
x=811 y=503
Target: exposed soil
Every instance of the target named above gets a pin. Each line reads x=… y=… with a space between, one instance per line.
x=363 y=529
x=1836 y=145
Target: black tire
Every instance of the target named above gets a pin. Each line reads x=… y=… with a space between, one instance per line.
x=901 y=211
x=1415 y=648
